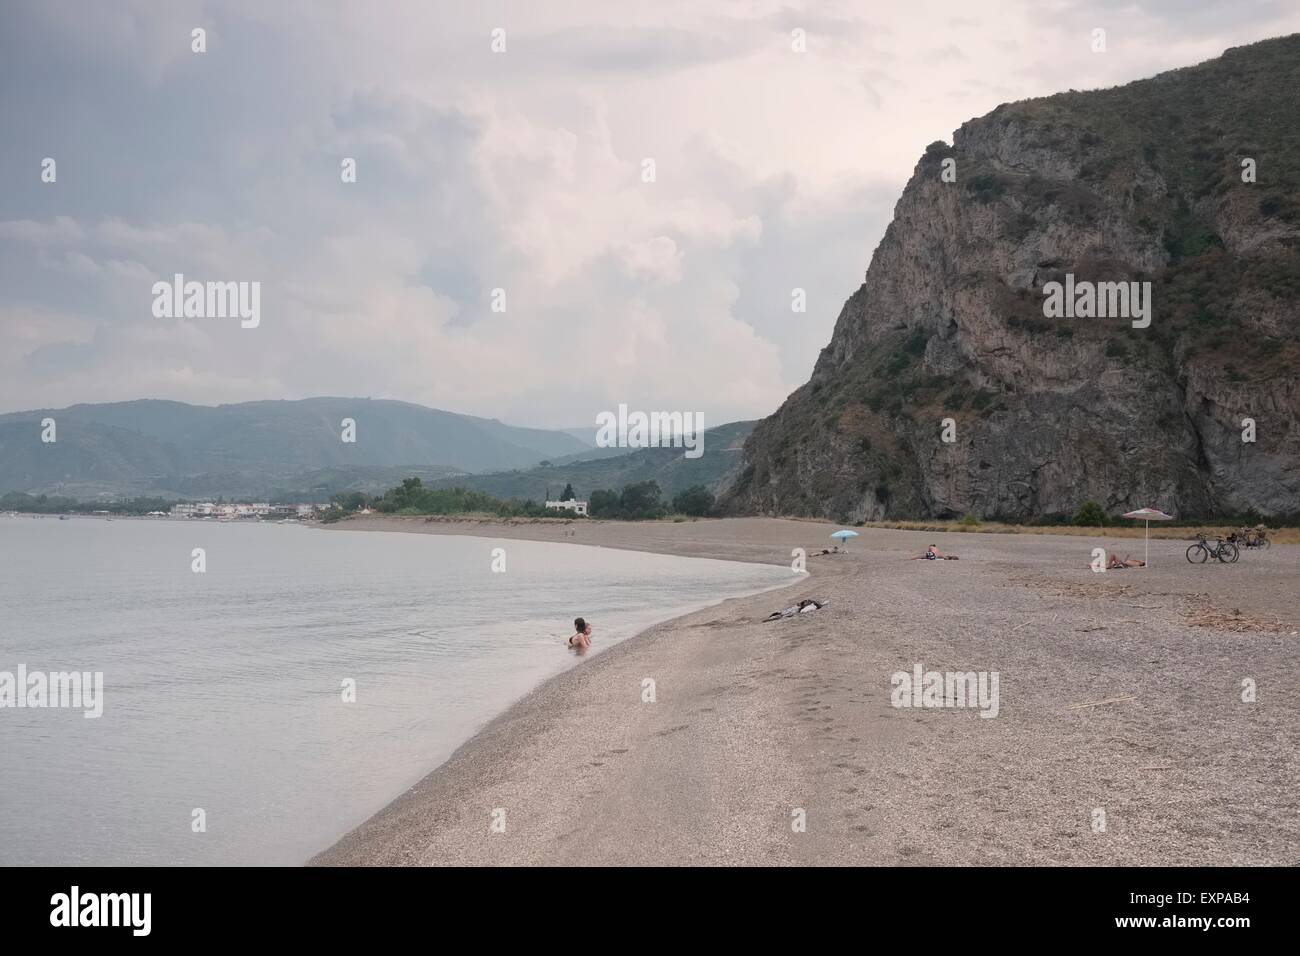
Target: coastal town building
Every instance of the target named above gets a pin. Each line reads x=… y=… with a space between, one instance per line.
x=577 y=507
x=235 y=511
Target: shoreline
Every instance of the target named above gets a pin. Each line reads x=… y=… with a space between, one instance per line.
x=544 y=531
x=753 y=721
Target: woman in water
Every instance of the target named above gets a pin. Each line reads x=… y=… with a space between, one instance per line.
x=581 y=638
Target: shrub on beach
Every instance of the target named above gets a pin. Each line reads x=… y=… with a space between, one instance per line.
x=641 y=500
x=696 y=501
x=603 y=503
x=1090 y=513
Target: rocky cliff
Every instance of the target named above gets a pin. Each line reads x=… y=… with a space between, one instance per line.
x=1141 y=183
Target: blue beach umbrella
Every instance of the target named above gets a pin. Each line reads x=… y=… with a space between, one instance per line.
x=844 y=535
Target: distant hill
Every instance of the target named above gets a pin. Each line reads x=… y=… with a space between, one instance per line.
x=613 y=468
x=586 y=435
x=256 y=449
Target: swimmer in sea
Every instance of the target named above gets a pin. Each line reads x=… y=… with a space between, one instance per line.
x=580 y=640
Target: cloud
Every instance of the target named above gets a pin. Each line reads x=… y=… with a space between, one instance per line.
x=477 y=171
x=58 y=231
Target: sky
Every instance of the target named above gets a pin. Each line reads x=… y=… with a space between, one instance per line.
x=520 y=169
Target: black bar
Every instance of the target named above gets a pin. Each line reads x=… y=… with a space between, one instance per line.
x=950 y=909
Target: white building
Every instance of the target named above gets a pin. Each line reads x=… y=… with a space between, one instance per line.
x=577 y=507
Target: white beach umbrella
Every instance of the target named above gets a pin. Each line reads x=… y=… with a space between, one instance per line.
x=1148 y=515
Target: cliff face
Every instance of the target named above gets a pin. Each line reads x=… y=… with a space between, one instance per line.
x=1141 y=183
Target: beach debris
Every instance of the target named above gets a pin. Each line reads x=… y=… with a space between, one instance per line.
x=1207 y=615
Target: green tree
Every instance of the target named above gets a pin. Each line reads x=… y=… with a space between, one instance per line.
x=568 y=494
x=350 y=500
x=605 y=504
x=641 y=500
x=696 y=501
x=1090 y=513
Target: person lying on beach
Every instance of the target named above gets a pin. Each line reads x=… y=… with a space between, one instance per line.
x=834 y=550
x=1116 y=564
x=933 y=553
x=581 y=638
x=807 y=604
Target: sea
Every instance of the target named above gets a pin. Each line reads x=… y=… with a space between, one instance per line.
x=268 y=687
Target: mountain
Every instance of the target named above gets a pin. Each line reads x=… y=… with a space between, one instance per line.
x=1140 y=183
x=586 y=435
x=613 y=468
x=256 y=449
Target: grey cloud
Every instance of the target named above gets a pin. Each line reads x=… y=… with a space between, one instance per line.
x=473 y=172
x=644 y=50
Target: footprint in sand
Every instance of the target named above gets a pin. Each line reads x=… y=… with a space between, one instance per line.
x=672 y=730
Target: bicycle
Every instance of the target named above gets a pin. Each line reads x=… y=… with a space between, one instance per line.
x=1255 y=539
x=1225 y=551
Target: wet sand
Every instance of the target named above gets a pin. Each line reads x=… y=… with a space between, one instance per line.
x=1110 y=700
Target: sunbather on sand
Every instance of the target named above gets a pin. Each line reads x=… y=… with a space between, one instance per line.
x=1115 y=564
x=807 y=604
x=834 y=550
x=933 y=553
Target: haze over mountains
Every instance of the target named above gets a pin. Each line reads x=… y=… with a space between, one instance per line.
x=256 y=449
x=612 y=468
x=1139 y=183
x=293 y=450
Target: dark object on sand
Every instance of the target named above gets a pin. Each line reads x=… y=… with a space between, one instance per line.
x=933 y=553
x=803 y=607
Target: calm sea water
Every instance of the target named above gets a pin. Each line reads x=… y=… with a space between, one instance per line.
x=223 y=690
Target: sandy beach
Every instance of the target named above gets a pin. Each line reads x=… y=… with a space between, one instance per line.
x=1119 y=692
